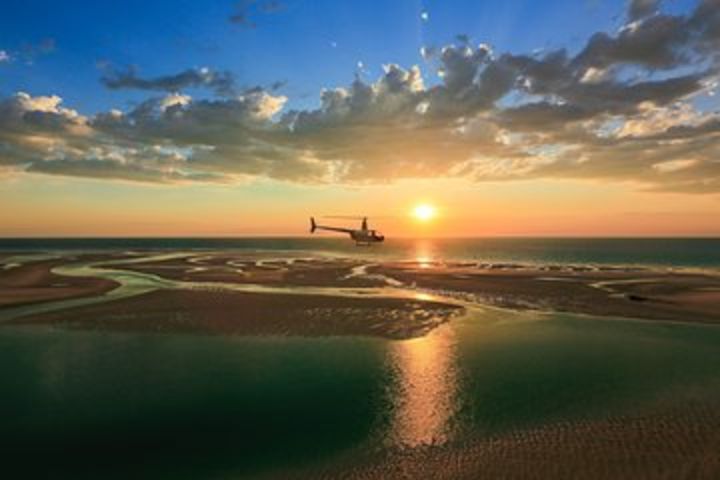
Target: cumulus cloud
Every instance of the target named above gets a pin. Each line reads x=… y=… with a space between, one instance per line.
x=658 y=41
x=622 y=108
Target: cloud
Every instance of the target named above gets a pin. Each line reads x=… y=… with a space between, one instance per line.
x=246 y=11
x=658 y=41
x=674 y=165
x=623 y=108
x=117 y=170
x=222 y=83
x=23 y=113
x=4 y=56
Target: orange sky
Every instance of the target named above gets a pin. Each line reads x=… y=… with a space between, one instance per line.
x=60 y=206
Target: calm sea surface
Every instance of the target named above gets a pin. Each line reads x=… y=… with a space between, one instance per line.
x=698 y=252
x=111 y=405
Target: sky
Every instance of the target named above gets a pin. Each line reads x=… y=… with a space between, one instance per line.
x=186 y=118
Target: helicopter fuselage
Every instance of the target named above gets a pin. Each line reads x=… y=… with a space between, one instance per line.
x=366 y=236
x=363 y=236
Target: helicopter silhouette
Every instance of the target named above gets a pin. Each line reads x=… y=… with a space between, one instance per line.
x=364 y=236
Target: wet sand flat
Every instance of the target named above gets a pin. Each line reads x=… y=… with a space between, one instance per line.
x=239 y=313
x=35 y=282
x=644 y=294
x=241 y=269
x=604 y=291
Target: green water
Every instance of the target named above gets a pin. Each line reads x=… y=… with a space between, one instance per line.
x=89 y=404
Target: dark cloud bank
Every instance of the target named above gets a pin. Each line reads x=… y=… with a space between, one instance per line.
x=621 y=108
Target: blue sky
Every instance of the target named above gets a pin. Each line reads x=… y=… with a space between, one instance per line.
x=308 y=44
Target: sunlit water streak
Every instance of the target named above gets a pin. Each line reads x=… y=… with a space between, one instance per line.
x=424 y=398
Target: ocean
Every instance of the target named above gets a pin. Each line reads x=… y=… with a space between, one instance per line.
x=666 y=252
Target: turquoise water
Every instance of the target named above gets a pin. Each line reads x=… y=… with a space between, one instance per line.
x=698 y=252
x=99 y=405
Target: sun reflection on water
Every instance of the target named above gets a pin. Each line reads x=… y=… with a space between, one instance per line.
x=424 y=261
x=425 y=394
x=426 y=297
x=424 y=256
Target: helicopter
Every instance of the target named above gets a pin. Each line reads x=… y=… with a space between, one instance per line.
x=362 y=236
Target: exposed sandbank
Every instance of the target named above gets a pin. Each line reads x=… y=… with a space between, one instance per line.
x=605 y=291
x=34 y=282
x=240 y=313
x=635 y=293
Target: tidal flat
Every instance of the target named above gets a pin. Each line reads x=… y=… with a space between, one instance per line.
x=218 y=364
x=251 y=293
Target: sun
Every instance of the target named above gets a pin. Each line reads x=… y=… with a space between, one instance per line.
x=424 y=212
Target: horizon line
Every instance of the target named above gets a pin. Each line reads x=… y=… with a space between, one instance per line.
x=395 y=237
